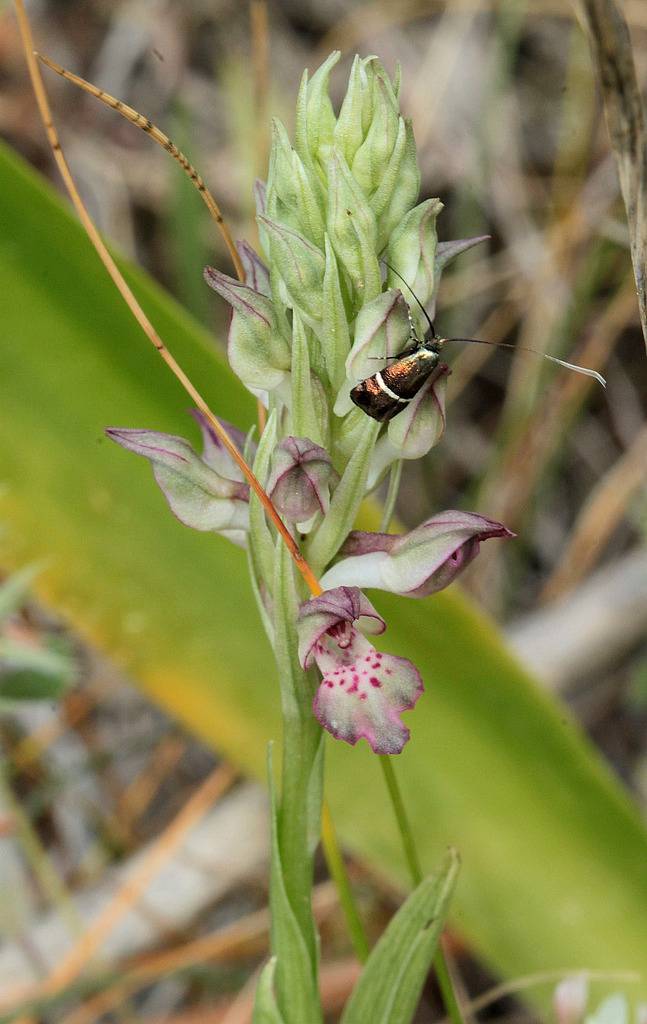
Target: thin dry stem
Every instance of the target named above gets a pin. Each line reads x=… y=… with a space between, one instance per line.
x=136 y=309
x=625 y=117
x=605 y=507
x=243 y=938
x=70 y=967
x=261 y=67
x=162 y=140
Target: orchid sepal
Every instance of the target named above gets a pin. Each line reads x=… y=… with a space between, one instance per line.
x=198 y=496
x=414 y=564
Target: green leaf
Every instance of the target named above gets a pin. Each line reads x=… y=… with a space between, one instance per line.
x=265 y=1009
x=261 y=545
x=345 y=502
x=295 y=979
x=335 y=322
x=309 y=409
x=14 y=591
x=302 y=775
x=390 y=984
x=553 y=852
x=28 y=672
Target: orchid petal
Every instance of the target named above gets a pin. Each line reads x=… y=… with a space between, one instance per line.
x=332 y=610
x=416 y=430
x=300 y=479
x=364 y=694
x=414 y=564
x=214 y=452
x=257 y=275
x=196 y=494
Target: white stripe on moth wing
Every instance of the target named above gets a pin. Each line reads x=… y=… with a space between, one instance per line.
x=387 y=390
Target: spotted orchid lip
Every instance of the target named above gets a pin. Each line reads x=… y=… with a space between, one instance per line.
x=363 y=691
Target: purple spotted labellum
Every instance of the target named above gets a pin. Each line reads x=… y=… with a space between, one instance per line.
x=363 y=691
x=417 y=563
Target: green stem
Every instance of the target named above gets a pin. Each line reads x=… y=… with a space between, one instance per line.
x=339 y=875
x=388 y=508
x=411 y=855
x=406 y=835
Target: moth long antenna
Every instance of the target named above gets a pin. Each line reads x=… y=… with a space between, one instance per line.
x=162 y=140
x=584 y=370
x=426 y=314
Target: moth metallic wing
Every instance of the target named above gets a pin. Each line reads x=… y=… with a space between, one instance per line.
x=390 y=390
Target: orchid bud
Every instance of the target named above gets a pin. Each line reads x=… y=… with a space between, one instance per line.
x=355 y=114
x=352 y=228
x=295 y=186
x=412 y=253
x=375 y=151
x=399 y=185
x=257 y=351
x=417 y=563
x=300 y=265
x=257 y=276
x=415 y=431
x=315 y=120
x=363 y=691
x=301 y=476
x=382 y=331
x=199 y=496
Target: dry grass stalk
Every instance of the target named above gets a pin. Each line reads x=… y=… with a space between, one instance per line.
x=625 y=116
x=261 y=67
x=125 y=898
x=245 y=937
x=139 y=794
x=606 y=505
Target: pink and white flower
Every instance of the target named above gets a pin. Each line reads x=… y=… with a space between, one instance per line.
x=363 y=691
x=417 y=563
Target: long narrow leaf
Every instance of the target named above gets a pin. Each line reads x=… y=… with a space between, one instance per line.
x=390 y=984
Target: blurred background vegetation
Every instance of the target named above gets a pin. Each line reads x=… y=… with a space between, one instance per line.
x=511 y=136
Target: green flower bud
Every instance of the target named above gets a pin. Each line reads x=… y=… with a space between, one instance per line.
x=352 y=228
x=375 y=151
x=257 y=351
x=354 y=117
x=400 y=184
x=300 y=265
x=295 y=186
x=315 y=120
x=412 y=253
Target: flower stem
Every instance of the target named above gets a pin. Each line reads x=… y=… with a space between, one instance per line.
x=339 y=875
x=415 y=870
x=406 y=835
x=388 y=509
